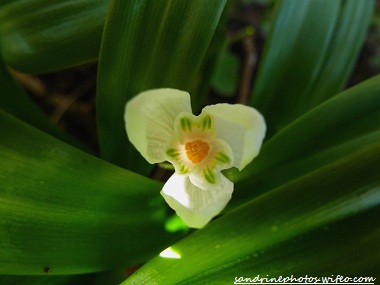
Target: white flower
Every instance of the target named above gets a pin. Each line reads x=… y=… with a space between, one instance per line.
x=161 y=126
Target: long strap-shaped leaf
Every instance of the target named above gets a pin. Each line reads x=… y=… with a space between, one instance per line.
x=47 y=280
x=39 y=36
x=148 y=44
x=342 y=53
x=303 y=227
x=66 y=212
x=344 y=124
x=308 y=56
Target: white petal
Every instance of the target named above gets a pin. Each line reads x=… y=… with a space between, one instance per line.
x=196 y=207
x=242 y=127
x=149 y=119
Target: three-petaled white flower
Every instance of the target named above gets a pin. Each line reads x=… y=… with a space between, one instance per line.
x=161 y=126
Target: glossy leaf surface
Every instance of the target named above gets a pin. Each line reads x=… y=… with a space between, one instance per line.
x=299 y=228
x=66 y=212
x=46 y=280
x=315 y=58
x=38 y=36
x=340 y=126
x=342 y=54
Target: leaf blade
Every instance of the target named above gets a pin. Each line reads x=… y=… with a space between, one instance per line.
x=70 y=212
x=296 y=211
x=319 y=41
x=147 y=45
x=346 y=123
x=343 y=52
x=50 y=43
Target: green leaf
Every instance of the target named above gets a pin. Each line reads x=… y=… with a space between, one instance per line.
x=342 y=53
x=67 y=212
x=344 y=124
x=328 y=217
x=225 y=78
x=16 y=102
x=38 y=36
x=202 y=86
x=310 y=52
x=146 y=45
x=46 y=280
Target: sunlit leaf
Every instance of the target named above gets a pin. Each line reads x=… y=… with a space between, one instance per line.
x=303 y=227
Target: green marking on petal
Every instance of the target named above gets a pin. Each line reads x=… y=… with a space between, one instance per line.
x=172 y=152
x=206 y=123
x=183 y=169
x=222 y=157
x=209 y=176
x=188 y=124
x=185 y=124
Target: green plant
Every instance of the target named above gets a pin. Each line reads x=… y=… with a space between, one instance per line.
x=308 y=204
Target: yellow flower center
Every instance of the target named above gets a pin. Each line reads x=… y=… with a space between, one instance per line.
x=197 y=150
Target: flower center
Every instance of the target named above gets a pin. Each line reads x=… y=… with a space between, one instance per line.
x=197 y=150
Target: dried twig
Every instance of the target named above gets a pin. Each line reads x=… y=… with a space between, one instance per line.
x=249 y=63
x=69 y=99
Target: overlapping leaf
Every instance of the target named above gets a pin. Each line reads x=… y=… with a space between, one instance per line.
x=16 y=102
x=302 y=227
x=148 y=44
x=66 y=212
x=343 y=50
x=38 y=36
x=307 y=59
x=344 y=124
